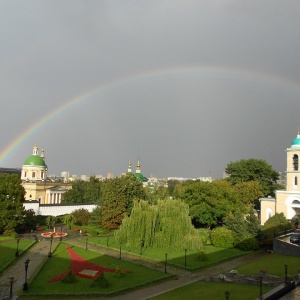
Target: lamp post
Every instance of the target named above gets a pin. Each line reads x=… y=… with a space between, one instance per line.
x=166 y=259
x=260 y=278
x=11 y=286
x=86 y=242
x=50 y=253
x=185 y=250
x=227 y=294
x=17 y=251
x=60 y=239
x=285 y=269
x=120 y=254
x=25 y=286
x=107 y=240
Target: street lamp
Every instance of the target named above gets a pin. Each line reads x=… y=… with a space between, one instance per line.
x=107 y=240
x=86 y=242
x=120 y=254
x=17 y=252
x=11 y=286
x=285 y=269
x=260 y=278
x=227 y=294
x=60 y=239
x=25 y=286
x=185 y=250
x=50 y=253
x=166 y=259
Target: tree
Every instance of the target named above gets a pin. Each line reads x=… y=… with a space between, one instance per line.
x=165 y=225
x=84 y=192
x=210 y=202
x=68 y=220
x=50 y=221
x=253 y=169
x=12 y=196
x=118 y=197
x=249 y=192
x=81 y=216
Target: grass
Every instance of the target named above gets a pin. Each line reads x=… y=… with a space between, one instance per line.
x=8 y=248
x=60 y=262
x=213 y=290
x=174 y=257
x=274 y=264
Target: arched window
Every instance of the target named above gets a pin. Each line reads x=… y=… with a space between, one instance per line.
x=295 y=162
x=269 y=213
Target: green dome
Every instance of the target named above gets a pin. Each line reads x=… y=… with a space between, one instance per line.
x=34 y=160
x=139 y=177
x=296 y=141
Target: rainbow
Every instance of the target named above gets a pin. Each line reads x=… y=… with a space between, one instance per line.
x=206 y=71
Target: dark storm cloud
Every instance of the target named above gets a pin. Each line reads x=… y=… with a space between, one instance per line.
x=241 y=100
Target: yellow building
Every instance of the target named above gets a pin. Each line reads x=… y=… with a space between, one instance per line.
x=35 y=182
x=286 y=201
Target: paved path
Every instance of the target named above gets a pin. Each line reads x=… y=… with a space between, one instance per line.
x=37 y=255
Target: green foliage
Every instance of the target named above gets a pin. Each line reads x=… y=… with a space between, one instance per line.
x=202 y=255
x=210 y=202
x=253 y=170
x=248 y=244
x=50 y=221
x=204 y=234
x=84 y=192
x=274 y=225
x=81 y=217
x=222 y=237
x=92 y=231
x=100 y=281
x=69 y=220
x=165 y=225
x=12 y=195
x=95 y=217
x=69 y=278
x=243 y=227
x=119 y=195
x=118 y=272
x=249 y=192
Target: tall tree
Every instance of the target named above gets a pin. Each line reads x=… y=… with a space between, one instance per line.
x=210 y=202
x=253 y=170
x=12 y=195
x=165 y=225
x=118 y=196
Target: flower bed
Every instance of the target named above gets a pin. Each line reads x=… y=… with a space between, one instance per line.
x=53 y=234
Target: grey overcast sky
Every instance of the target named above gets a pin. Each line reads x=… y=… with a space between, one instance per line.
x=185 y=86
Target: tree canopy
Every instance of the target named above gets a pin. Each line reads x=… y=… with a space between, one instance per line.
x=12 y=195
x=165 y=225
x=253 y=169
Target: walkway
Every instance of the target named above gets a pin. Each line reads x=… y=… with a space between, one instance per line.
x=37 y=255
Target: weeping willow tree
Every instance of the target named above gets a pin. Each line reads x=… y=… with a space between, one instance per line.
x=164 y=225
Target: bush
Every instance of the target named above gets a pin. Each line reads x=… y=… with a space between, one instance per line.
x=248 y=244
x=100 y=281
x=92 y=231
x=69 y=278
x=222 y=237
x=202 y=256
x=204 y=235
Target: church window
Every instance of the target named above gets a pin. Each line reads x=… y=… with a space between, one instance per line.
x=33 y=174
x=296 y=180
x=295 y=162
x=25 y=174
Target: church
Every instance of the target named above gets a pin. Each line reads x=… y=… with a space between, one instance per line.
x=36 y=183
x=286 y=201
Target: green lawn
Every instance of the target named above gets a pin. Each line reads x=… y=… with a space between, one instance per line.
x=214 y=291
x=274 y=264
x=8 y=247
x=174 y=257
x=61 y=261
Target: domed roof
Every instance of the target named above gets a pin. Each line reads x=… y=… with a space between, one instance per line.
x=296 y=141
x=34 y=160
x=139 y=177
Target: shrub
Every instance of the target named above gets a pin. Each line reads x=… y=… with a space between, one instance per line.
x=100 y=281
x=204 y=235
x=118 y=272
x=248 y=244
x=92 y=231
x=69 y=278
x=222 y=237
x=202 y=255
